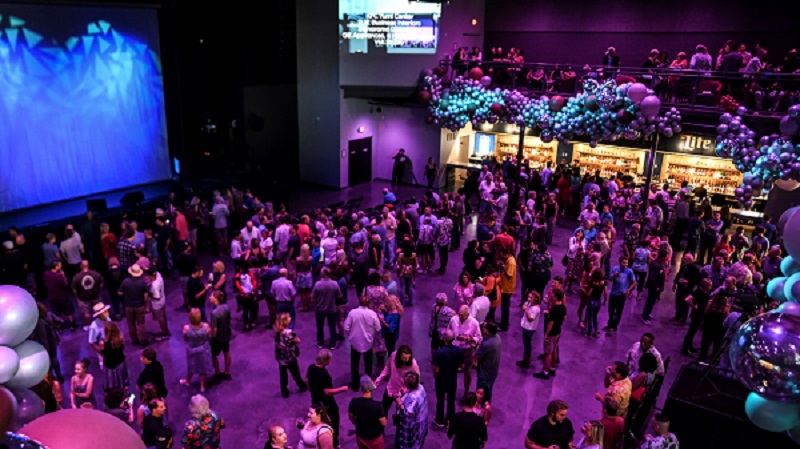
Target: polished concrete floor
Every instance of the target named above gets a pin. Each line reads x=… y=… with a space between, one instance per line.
x=251 y=401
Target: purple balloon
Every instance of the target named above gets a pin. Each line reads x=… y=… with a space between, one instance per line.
x=789 y=126
x=722 y=129
x=486 y=80
x=637 y=92
x=725 y=118
x=650 y=106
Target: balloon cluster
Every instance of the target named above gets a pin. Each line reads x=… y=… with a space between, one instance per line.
x=765 y=161
x=601 y=111
x=765 y=351
x=23 y=363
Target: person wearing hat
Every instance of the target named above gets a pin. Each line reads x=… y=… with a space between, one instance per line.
x=97 y=329
x=135 y=295
x=368 y=416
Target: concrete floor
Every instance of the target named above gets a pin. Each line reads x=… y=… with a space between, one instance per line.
x=251 y=401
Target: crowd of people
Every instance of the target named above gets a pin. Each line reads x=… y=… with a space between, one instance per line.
x=356 y=273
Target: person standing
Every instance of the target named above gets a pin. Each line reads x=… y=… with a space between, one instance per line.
x=283 y=291
x=158 y=302
x=399 y=166
x=696 y=302
x=552 y=333
x=367 y=416
x=220 y=213
x=467 y=336
x=662 y=438
x=618 y=387
x=656 y=275
x=430 y=172
x=71 y=251
x=488 y=355
x=508 y=285
x=360 y=328
x=198 y=350
x=81 y=385
x=553 y=430
x=325 y=293
x=467 y=429
x=246 y=286
x=287 y=350
x=115 y=369
x=444 y=236
x=623 y=283
x=685 y=282
x=412 y=408
x=440 y=320
x=87 y=285
x=204 y=429
x=531 y=311
x=320 y=385
x=57 y=286
x=152 y=372
x=135 y=296
x=220 y=333
x=155 y=433
x=447 y=360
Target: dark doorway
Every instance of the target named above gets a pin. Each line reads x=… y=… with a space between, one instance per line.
x=359 y=161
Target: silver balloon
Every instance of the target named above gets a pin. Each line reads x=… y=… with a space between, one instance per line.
x=29 y=406
x=18 y=315
x=765 y=354
x=33 y=365
x=9 y=363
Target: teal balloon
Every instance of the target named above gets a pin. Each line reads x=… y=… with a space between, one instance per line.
x=773 y=416
x=775 y=288
x=789 y=308
x=789 y=266
x=791 y=288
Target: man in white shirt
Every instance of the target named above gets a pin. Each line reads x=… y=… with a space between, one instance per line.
x=220 y=214
x=480 y=305
x=645 y=344
x=486 y=188
x=390 y=223
x=249 y=233
x=71 y=251
x=284 y=292
x=158 y=302
x=360 y=327
x=589 y=214
x=467 y=332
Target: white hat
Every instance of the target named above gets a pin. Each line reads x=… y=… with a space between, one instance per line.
x=99 y=308
x=135 y=270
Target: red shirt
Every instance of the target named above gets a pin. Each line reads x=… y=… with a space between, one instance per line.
x=108 y=243
x=613 y=431
x=504 y=243
x=304 y=232
x=182 y=227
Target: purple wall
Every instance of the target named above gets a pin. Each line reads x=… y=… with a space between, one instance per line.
x=376 y=68
x=578 y=32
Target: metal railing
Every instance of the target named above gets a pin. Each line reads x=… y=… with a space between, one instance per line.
x=765 y=93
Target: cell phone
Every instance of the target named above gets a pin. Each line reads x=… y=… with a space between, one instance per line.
x=130 y=399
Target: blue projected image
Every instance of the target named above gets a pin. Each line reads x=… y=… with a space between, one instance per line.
x=81 y=103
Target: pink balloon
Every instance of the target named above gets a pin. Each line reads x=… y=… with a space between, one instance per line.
x=82 y=429
x=650 y=106
x=637 y=92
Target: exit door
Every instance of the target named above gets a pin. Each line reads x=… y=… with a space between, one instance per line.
x=359 y=161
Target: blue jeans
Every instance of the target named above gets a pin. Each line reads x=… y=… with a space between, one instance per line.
x=407 y=290
x=591 y=316
x=389 y=251
x=527 y=336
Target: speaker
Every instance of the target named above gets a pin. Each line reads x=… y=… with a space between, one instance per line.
x=132 y=200
x=97 y=205
x=706 y=410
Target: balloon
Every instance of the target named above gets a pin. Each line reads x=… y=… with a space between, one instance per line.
x=34 y=362
x=8 y=410
x=789 y=126
x=789 y=308
x=773 y=416
x=787 y=184
x=424 y=96
x=486 y=81
x=791 y=236
x=82 y=428
x=784 y=218
x=18 y=315
x=765 y=355
x=637 y=92
x=29 y=406
x=791 y=288
x=775 y=288
x=9 y=363
x=789 y=266
x=650 y=106
x=439 y=71
x=476 y=73
x=496 y=108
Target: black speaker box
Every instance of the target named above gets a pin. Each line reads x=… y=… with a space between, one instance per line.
x=706 y=410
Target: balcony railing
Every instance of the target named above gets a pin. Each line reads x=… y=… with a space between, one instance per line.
x=763 y=93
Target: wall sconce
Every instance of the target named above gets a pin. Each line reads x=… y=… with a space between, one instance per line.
x=474 y=21
x=361 y=129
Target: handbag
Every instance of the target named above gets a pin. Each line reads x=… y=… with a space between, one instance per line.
x=565 y=260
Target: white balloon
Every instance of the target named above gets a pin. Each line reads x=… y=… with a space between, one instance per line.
x=18 y=315
x=9 y=364
x=34 y=362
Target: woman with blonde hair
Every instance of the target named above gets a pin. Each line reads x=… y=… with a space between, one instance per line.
x=115 y=369
x=592 y=435
x=392 y=313
x=197 y=335
x=304 y=279
x=287 y=350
